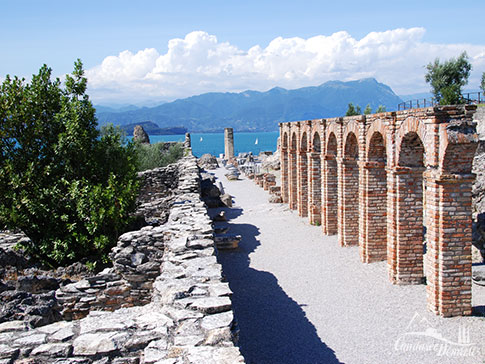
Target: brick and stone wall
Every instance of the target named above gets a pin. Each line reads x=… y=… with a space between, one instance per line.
x=397 y=185
x=168 y=298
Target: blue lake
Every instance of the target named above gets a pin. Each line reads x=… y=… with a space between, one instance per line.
x=213 y=143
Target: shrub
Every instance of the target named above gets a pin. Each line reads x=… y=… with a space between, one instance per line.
x=68 y=188
x=156 y=155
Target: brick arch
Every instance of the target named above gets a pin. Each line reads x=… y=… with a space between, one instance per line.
x=304 y=142
x=378 y=127
x=285 y=140
x=293 y=173
x=284 y=168
x=349 y=192
x=294 y=143
x=409 y=265
x=330 y=190
x=303 y=176
x=351 y=146
x=376 y=149
x=332 y=144
x=373 y=209
x=412 y=125
x=457 y=158
x=411 y=151
x=315 y=181
x=316 y=144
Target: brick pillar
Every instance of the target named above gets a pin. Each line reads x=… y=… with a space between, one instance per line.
x=302 y=184
x=292 y=185
x=329 y=195
x=284 y=175
x=348 y=202
x=449 y=240
x=373 y=212
x=407 y=250
x=315 y=189
x=391 y=223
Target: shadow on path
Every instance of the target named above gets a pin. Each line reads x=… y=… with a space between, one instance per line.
x=273 y=327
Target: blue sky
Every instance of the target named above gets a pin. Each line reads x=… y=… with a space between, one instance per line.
x=285 y=38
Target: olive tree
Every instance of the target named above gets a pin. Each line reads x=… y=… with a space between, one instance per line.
x=448 y=78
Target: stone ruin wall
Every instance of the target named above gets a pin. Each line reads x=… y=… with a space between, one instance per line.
x=166 y=291
x=386 y=182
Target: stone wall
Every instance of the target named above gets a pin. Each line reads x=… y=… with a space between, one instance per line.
x=189 y=317
x=395 y=184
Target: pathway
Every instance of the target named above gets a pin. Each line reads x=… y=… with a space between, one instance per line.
x=301 y=298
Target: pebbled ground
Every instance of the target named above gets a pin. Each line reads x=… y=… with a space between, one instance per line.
x=301 y=298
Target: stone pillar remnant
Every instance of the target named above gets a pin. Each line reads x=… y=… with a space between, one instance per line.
x=228 y=143
x=140 y=135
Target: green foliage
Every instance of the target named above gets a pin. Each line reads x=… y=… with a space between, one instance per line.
x=353 y=110
x=447 y=79
x=367 y=110
x=380 y=109
x=482 y=85
x=156 y=155
x=70 y=190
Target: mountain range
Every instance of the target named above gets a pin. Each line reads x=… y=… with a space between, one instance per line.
x=257 y=111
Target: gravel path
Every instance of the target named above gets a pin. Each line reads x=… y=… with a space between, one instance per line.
x=301 y=298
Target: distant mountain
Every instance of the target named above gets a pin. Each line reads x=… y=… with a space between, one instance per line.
x=260 y=111
x=418 y=96
x=153 y=129
x=115 y=109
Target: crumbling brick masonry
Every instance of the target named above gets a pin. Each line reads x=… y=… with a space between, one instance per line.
x=396 y=184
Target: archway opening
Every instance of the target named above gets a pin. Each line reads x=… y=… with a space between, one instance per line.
x=411 y=232
x=284 y=169
x=330 y=190
x=374 y=242
x=349 y=204
x=293 y=180
x=315 y=203
x=303 y=177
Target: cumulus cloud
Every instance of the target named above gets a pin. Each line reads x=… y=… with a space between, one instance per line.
x=200 y=63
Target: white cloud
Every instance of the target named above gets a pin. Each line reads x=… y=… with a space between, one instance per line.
x=200 y=63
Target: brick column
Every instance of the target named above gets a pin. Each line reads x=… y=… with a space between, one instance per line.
x=391 y=223
x=302 y=184
x=315 y=189
x=405 y=251
x=373 y=212
x=449 y=240
x=348 y=202
x=292 y=182
x=284 y=175
x=329 y=195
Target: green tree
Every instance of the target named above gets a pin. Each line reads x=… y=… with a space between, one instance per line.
x=353 y=110
x=380 y=108
x=367 y=110
x=448 y=78
x=70 y=190
x=482 y=85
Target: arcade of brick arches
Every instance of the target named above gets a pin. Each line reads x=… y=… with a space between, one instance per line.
x=396 y=184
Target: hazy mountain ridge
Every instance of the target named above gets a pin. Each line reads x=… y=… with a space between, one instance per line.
x=259 y=111
x=153 y=129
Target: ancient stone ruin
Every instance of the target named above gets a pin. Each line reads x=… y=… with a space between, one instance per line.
x=228 y=143
x=163 y=301
x=397 y=184
x=140 y=135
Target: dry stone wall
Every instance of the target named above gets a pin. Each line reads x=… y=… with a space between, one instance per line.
x=188 y=319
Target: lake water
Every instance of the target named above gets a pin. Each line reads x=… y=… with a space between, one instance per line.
x=213 y=143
